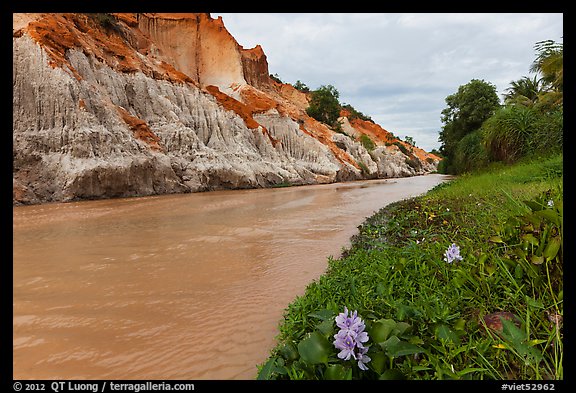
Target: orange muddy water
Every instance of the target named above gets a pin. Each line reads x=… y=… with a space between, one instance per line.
x=188 y=286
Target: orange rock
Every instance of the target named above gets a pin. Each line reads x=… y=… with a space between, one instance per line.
x=141 y=130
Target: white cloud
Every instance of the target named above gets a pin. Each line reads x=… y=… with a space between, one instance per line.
x=397 y=68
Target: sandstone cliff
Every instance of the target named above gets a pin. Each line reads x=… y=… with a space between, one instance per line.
x=112 y=105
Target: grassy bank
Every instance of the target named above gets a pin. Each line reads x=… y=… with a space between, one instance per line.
x=496 y=313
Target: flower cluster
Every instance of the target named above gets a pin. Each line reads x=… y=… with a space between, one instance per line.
x=452 y=254
x=351 y=338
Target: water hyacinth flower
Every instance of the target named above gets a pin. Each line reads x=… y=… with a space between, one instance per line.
x=351 y=338
x=362 y=358
x=452 y=254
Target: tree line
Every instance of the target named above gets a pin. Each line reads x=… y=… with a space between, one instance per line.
x=479 y=130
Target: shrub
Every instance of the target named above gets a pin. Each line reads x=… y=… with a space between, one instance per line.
x=508 y=133
x=301 y=86
x=470 y=153
x=548 y=135
x=402 y=148
x=106 y=20
x=354 y=114
x=367 y=142
x=324 y=105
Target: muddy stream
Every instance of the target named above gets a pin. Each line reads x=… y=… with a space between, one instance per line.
x=189 y=286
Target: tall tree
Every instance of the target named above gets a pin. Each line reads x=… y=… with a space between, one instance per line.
x=467 y=109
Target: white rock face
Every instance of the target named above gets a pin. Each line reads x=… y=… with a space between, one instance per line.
x=116 y=134
x=70 y=141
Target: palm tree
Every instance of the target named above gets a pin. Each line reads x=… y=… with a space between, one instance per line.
x=524 y=91
x=550 y=63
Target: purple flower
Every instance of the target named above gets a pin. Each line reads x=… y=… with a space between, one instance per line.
x=362 y=358
x=345 y=342
x=452 y=254
x=345 y=322
x=351 y=337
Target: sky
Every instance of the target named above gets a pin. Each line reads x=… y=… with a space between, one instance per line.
x=397 y=68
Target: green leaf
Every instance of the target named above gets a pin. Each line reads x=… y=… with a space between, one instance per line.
x=536 y=342
x=516 y=338
x=314 y=349
x=421 y=368
x=382 y=329
x=267 y=370
x=326 y=327
x=389 y=343
x=512 y=333
x=460 y=325
x=518 y=272
x=552 y=248
x=534 y=206
x=444 y=333
x=469 y=370
x=392 y=374
x=289 y=352
x=337 y=372
x=528 y=237
x=403 y=311
x=536 y=260
x=323 y=314
x=401 y=328
x=482 y=258
x=490 y=269
x=550 y=215
x=378 y=361
x=415 y=340
x=394 y=347
x=495 y=239
x=534 y=303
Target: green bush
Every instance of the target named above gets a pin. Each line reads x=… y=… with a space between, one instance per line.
x=548 y=136
x=106 y=20
x=470 y=153
x=354 y=114
x=508 y=133
x=402 y=148
x=516 y=131
x=367 y=142
x=324 y=105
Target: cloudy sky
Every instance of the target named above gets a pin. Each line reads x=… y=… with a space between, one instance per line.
x=397 y=68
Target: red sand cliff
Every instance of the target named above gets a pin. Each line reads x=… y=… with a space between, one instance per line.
x=195 y=60
x=189 y=48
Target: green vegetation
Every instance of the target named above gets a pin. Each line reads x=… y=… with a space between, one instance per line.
x=410 y=140
x=324 y=105
x=467 y=110
x=301 y=86
x=276 y=78
x=354 y=114
x=367 y=142
x=465 y=282
x=106 y=20
x=478 y=130
x=494 y=314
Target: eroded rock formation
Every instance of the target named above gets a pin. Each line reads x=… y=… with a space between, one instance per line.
x=112 y=105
